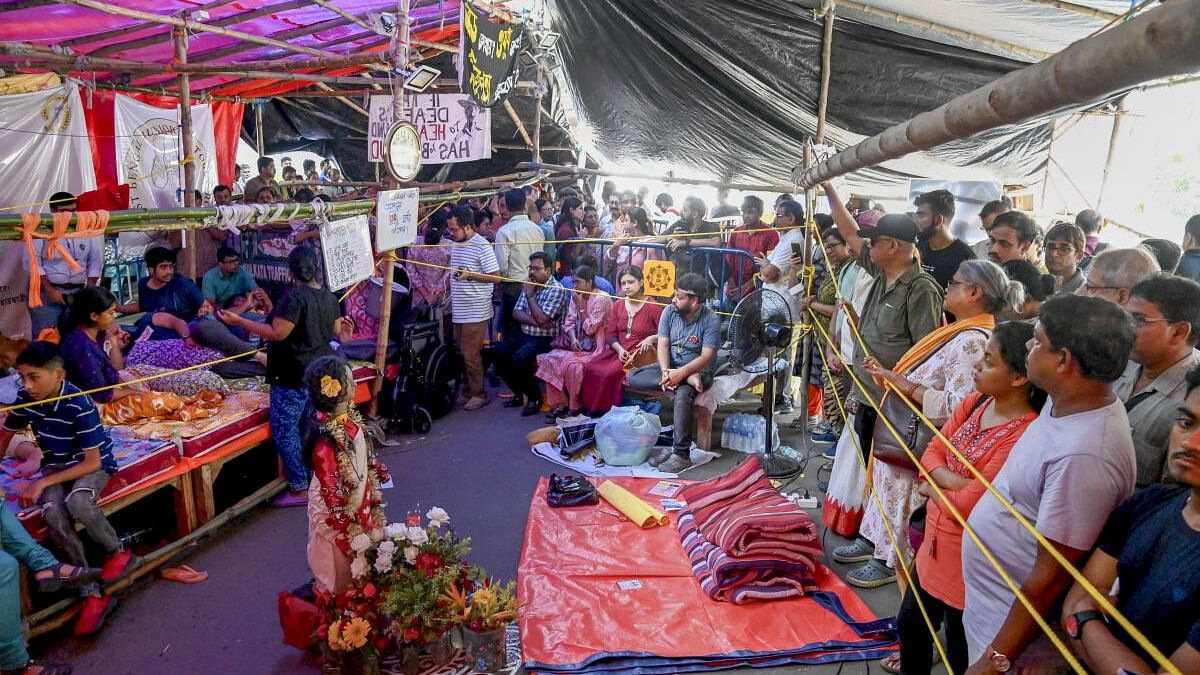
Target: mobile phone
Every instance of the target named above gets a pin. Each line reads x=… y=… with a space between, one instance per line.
x=797 y=249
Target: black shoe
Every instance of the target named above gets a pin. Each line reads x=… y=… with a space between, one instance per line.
x=531 y=408
x=514 y=402
x=553 y=415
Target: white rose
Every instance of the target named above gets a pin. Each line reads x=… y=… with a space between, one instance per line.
x=383 y=565
x=437 y=516
x=410 y=554
x=359 y=567
x=397 y=531
x=360 y=543
x=417 y=536
x=387 y=549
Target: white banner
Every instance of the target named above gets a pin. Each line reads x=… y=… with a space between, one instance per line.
x=397 y=225
x=346 y=246
x=148 y=156
x=452 y=127
x=43 y=149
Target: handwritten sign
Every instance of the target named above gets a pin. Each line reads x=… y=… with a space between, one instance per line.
x=397 y=225
x=346 y=247
x=489 y=55
x=452 y=127
x=660 y=278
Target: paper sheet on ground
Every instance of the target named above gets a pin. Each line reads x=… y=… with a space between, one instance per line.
x=587 y=464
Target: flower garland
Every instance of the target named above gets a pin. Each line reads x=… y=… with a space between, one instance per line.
x=342 y=517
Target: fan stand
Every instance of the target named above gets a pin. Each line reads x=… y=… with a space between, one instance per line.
x=774 y=465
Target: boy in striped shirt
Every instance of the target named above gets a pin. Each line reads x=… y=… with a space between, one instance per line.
x=76 y=462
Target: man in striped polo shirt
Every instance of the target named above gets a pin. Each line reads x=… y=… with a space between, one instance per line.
x=475 y=275
x=77 y=461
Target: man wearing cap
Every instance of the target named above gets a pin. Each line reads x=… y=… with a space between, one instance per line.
x=903 y=305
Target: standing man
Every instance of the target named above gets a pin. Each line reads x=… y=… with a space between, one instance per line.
x=1189 y=264
x=264 y=179
x=1064 y=252
x=940 y=251
x=723 y=209
x=539 y=312
x=475 y=275
x=692 y=222
x=753 y=236
x=515 y=242
x=1011 y=237
x=1091 y=222
x=688 y=336
x=59 y=281
x=1072 y=466
x=987 y=216
x=1166 y=312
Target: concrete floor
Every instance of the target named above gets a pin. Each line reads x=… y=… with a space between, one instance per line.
x=476 y=465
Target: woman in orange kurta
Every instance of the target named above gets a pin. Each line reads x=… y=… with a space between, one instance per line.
x=984 y=429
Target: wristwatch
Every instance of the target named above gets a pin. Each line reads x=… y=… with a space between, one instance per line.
x=1074 y=622
x=1000 y=662
x=460 y=273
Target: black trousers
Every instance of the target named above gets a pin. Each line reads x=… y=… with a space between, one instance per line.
x=916 y=643
x=515 y=359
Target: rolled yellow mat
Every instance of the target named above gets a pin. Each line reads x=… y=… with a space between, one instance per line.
x=630 y=506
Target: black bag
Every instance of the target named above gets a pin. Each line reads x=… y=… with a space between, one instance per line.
x=571 y=491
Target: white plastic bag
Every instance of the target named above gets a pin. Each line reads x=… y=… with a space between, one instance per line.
x=626 y=435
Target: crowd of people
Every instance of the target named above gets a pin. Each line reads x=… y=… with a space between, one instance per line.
x=1062 y=370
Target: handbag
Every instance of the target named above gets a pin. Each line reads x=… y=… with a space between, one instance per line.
x=571 y=491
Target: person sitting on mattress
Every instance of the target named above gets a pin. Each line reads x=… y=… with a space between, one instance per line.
x=77 y=462
x=93 y=344
x=175 y=308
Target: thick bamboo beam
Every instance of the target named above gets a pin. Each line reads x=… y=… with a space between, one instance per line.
x=342 y=13
x=272 y=65
x=826 y=60
x=1079 y=9
x=1035 y=54
x=231 y=20
x=21 y=52
x=185 y=129
x=344 y=99
x=781 y=186
x=1156 y=44
x=512 y=113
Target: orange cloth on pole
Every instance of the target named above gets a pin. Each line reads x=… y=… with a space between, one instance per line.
x=87 y=224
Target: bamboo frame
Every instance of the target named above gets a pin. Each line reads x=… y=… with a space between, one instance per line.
x=512 y=113
x=352 y=105
x=582 y=171
x=1079 y=9
x=1035 y=54
x=826 y=62
x=342 y=13
x=1155 y=44
x=179 y=35
x=231 y=20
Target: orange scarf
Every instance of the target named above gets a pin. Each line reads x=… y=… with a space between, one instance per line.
x=87 y=224
x=939 y=337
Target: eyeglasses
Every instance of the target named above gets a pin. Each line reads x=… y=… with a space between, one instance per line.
x=1059 y=248
x=955 y=282
x=1141 y=321
x=1088 y=287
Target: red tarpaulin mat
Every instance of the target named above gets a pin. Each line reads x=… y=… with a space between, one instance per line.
x=575 y=617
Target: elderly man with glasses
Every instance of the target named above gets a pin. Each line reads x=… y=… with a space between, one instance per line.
x=1116 y=271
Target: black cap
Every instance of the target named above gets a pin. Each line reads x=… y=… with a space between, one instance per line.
x=895 y=225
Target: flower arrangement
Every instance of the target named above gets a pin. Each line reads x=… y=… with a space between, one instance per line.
x=490 y=606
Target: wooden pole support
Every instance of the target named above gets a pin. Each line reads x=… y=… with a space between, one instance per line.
x=188 y=159
x=826 y=59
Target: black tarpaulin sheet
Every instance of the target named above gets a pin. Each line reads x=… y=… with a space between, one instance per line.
x=730 y=88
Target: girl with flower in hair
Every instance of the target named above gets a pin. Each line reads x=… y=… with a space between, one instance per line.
x=344 y=504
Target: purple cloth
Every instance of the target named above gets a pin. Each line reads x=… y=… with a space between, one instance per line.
x=87 y=365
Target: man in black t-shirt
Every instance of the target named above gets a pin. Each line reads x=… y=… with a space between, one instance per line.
x=1145 y=563
x=940 y=251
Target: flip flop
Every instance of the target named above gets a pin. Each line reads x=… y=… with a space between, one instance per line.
x=184 y=574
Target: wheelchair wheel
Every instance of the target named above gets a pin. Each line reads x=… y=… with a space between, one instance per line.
x=422 y=421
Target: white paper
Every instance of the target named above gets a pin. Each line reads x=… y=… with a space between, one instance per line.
x=397 y=224
x=346 y=247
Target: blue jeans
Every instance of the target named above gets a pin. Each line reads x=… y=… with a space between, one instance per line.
x=46 y=316
x=289 y=419
x=16 y=547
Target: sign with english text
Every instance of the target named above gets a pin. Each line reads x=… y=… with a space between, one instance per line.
x=452 y=127
x=488 y=55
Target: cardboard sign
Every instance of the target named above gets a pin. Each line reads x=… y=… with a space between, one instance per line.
x=346 y=247
x=489 y=55
x=397 y=226
x=660 y=278
x=452 y=127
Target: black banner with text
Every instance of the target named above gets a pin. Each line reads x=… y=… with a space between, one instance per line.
x=489 y=55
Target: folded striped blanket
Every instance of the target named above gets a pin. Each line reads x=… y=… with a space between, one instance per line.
x=745 y=540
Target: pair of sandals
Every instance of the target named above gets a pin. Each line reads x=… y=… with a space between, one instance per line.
x=562 y=412
x=67 y=576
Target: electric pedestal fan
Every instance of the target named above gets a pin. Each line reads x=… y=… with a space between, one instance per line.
x=760 y=330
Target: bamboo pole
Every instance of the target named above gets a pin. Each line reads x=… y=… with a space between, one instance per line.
x=1118 y=115
x=1079 y=9
x=343 y=13
x=826 y=60
x=273 y=65
x=186 y=157
x=781 y=186
x=537 y=117
x=512 y=113
x=351 y=104
x=1035 y=54
x=1156 y=44
x=258 y=127
x=226 y=21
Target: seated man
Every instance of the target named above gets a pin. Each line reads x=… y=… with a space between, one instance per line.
x=589 y=260
x=175 y=307
x=688 y=336
x=229 y=286
x=1151 y=543
x=76 y=465
x=539 y=311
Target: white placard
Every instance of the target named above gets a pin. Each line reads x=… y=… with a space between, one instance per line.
x=397 y=226
x=346 y=247
x=452 y=127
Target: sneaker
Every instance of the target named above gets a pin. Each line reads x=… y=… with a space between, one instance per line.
x=783 y=405
x=118 y=566
x=95 y=611
x=860 y=551
x=675 y=464
x=825 y=437
x=289 y=499
x=475 y=403
x=872 y=575
x=660 y=456
x=830 y=453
